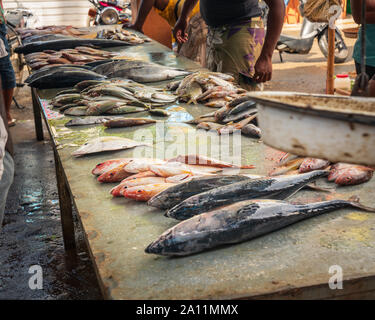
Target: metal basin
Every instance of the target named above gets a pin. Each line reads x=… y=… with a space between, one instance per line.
x=339 y=129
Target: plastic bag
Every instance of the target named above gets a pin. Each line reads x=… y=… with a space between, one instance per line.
x=318 y=10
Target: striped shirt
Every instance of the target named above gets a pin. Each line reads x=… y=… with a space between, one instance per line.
x=3 y=141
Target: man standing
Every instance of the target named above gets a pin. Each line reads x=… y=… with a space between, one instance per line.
x=356 y=6
x=6 y=160
x=236 y=41
x=6 y=69
x=170 y=10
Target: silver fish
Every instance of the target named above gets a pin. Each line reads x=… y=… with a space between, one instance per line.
x=176 y=194
x=278 y=188
x=108 y=143
x=238 y=222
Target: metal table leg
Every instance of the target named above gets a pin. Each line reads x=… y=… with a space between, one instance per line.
x=37 y=116
x=65 y=208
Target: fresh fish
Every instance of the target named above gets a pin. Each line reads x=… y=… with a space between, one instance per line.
x=238 y=101
x=88 y=83
x=114 y=66
x=42 y=72
x=87 y=121
x=45 y=37
x=242 y=107
x=59 y=44
x=76 y=111
x=221 y=114
x=233 y=127
x=206 y=161
x=286 y=158
x=142 y=164
x=180 y=178
x=142 y=174
x=116 y=174
x=192 y=92
x=64 y=79
x=239 y=116
x=108 y=165
x=146 y=192
x=159 y=112
x=127 y=122
x=251 y=131
x=269 y=188
x=119 y=190
x=209 y=126
x=163 y=97
x=125 y=109
x=108 y=143
x=175 y=195
x=348 y=174
x=98 y=108
x=216 y=103
x=310 y=164
x=64 y=99
x=148 y=73
x=142 y=181
x=335 y=170
x=173 y=85
x=289 y=166
x=67 y=91
x=238 y=222
x=201 y=119
x=177 y=168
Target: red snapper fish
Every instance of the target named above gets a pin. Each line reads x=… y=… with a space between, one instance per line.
x=345 y=174
x=116 y=174
x=145 y=192
x=310 y=164
x=108 y=165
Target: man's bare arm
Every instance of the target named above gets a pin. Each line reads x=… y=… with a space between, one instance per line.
x=356 y=6
x=144 y=10
x=180 y=27
x=263 y=66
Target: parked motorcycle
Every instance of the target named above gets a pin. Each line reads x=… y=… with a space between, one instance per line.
x=310 y=31
x=108 y=12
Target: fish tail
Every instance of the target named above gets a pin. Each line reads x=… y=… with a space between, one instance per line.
x=354 y=202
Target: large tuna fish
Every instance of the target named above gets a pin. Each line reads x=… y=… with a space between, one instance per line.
x=237 y=223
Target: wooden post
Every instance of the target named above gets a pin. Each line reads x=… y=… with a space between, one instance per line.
x=331 y=61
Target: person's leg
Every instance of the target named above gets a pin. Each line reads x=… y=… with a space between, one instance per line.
x=370 y=70
x=8 y=78
x=8 y=96
x=235 y=50
x=5 y=183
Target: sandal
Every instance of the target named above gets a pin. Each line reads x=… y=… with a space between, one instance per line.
x=12 y=123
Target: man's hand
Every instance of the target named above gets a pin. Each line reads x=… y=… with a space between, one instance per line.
x=132 y=26
x=263 y=69
x=179 y=31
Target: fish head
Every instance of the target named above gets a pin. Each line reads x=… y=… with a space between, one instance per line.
x=161 y=244
x=112 y=175
x=138 y=193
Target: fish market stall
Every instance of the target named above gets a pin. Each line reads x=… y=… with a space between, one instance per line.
x=297 y=261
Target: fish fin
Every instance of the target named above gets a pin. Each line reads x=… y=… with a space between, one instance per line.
x=354 y=202
x=248 y=166
x=312 y=186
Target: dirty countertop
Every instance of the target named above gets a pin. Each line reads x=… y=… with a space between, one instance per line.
x=118 y=230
